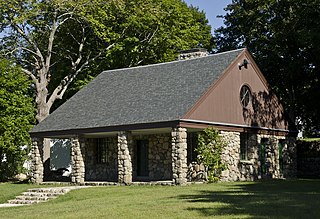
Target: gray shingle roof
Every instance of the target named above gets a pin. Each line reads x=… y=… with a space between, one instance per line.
x=152 y=93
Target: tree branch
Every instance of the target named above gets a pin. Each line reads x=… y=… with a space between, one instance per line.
x=66 y=81
x=29 y=73
x=50 y=43
x=34 y=45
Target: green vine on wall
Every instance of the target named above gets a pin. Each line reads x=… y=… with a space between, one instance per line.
x=210 y=146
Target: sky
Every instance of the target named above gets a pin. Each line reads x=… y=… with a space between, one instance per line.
x=212 y=8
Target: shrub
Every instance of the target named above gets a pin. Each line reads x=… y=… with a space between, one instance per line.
x=210 y=146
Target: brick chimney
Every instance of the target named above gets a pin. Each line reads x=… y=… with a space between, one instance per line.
x=192 y=53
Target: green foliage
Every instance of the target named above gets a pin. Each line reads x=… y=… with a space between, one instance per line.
x=118 y=33
x=283 y=36
x=142 y=31
x=210 y=147
x=16 y=117
x=150 y=31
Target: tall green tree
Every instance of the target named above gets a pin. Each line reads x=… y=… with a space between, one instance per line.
x=283 y=36
x=16 y=118
x=57 y=41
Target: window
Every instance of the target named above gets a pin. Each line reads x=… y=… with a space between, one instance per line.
x=102 y=150
x=192 y=143
x=245 y=96
x=244 y=146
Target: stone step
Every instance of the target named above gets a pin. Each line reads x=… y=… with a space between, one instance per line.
x=33 y=196
x=50 y=190
x=41 y=194
x=23 y=202
x=36 y=198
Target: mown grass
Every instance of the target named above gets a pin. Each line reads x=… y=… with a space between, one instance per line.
x=269 y=199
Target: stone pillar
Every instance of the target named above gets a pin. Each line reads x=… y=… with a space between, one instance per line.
x=77 y=161
x=124 y=157
x=36 y=160
x=179 y=155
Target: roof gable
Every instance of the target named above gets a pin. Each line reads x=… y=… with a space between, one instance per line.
x=221 y=102
x=153 y=93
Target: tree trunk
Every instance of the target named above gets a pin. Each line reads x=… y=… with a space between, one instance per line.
x=43 y=108
x=42 y=111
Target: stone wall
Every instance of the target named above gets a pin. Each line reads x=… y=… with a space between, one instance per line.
x=159 y=154
x=231 y=156
x=196 y=172
x=159 y=164
x=252 y=168
x=273 y=155
x=101 y=172
x=167 y=158
x=239 y=170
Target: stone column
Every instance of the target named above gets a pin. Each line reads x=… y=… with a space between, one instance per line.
x=179 y=155
x=124 y=157
x=36 y=160
x=77 y=161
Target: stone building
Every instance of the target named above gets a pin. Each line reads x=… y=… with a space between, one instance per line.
x=141 y=123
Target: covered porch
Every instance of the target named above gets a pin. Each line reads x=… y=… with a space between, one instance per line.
x=123 y=157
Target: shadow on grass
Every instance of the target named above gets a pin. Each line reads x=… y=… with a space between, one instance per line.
x=269 y=199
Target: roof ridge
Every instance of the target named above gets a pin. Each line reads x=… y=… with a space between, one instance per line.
x=176 y=61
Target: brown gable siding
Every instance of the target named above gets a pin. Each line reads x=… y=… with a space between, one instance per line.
x=221 y=103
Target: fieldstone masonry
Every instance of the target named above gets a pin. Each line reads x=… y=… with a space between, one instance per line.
x=167 y=158
x=159 y=154
x=251 y=169
x=254 y=167
x=77 y=160
x=124 y=157
x=102 y=171
x=179 y=155
x=231 y=156
x=160 y=157
x=192 y=53
x=196 y=172
x=36 y=160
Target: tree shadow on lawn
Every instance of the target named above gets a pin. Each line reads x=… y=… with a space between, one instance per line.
x=265 y=199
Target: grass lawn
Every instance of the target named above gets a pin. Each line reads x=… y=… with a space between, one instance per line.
x=9 y=191
x=269 y=199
